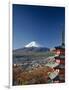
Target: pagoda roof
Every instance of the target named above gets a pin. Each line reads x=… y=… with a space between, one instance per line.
x=60 y=57
x=61 y=66
x=60 y=47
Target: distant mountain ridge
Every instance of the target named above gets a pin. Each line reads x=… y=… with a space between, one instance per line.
x=32 y=49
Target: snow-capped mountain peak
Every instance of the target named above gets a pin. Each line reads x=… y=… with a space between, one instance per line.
x=32 y=44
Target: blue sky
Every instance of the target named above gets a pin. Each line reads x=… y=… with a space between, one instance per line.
x=42 y=24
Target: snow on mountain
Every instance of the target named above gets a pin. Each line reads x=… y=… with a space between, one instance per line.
x=32 y=44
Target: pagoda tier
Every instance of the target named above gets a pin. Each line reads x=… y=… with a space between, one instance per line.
x=60 y=50
x=60 y=59
x=60 y=67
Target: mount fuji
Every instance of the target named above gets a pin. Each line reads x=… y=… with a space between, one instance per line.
x=32 y=44
x=31 y=47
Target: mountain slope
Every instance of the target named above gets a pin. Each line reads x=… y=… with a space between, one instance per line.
x=30 y=48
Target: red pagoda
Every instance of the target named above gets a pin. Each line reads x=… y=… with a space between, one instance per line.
x=60 y=58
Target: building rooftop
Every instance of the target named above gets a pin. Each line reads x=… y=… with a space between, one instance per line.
x=60 y=57
x=60 y=47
